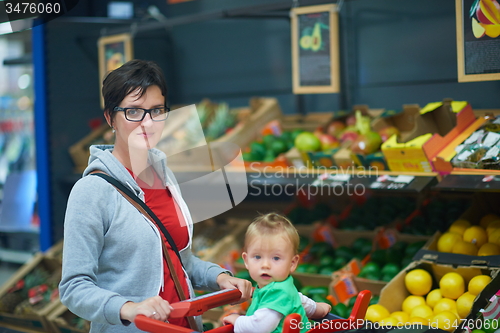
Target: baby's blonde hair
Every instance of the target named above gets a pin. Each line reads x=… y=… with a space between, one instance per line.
x=272 y=224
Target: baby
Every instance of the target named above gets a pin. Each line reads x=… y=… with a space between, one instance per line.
x=270 y=255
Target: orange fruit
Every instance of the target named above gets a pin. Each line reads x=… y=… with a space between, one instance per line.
x=412 y=301
x=422 y=311
x=433 y=297
x=487 y=219
x=459 y=226
x=376 y=312
x=452 y=285
x=477 y=284
x=390 y=322
x=463 y=247
x=489 y=249
x=418 y=320
x=445 y=304
x=464 y=304
x=445 y=320
x=447 y=240
x=418 y=282
x=494 y=237
x=401 y=316
x=493 y=226
x=476 y=235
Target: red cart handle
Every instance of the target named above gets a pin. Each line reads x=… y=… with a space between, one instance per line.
x=198 y=305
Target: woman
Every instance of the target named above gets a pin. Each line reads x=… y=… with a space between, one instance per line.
x=113 y=264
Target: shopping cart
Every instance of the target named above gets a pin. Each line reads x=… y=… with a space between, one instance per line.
x=198 y=305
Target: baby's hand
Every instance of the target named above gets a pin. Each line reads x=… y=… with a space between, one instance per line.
x=231 y=319
x=322 y=309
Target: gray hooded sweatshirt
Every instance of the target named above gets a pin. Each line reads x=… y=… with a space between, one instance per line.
x=112 y=253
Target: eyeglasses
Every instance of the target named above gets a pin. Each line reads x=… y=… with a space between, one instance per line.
x=138 y=114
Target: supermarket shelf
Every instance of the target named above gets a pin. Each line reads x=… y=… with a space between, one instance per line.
x=350 y=179
x=473 y=180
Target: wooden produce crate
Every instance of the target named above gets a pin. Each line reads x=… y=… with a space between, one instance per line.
x=64 y=321
x=260 y=112
x=80 y=151
x=56 y=251
x=29 y=318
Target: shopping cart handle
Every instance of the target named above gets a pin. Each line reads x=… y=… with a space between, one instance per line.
x=155 y=326
x=198 y=305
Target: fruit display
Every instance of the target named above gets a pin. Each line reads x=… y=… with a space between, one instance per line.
x=376 y=211
x=462 y=237
x=485 y=16
x=441 y=300
x=385 y=264
x=434 y=214
x=272 y=145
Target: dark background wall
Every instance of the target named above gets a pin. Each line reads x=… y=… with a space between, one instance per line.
x=392 y=53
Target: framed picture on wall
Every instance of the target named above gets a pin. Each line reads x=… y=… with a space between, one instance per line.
x=315 y=49
x=478 y=40
x=114 y=51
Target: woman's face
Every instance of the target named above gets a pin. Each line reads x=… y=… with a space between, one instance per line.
x=144 y=134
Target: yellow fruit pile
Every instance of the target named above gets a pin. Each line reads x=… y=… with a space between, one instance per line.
x=474 y=240
x=442 y=307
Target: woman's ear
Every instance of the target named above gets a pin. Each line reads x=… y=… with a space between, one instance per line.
x=244 y=255
x=294 y=263
x=109 y=119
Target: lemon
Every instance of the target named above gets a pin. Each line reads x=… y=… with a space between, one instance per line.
x=459 y=226
x=433 y=297
x=494 y=237
x=464 y=304
x=390 y=322
x=445 y=304
x=376 y=312
x=476 y=235
x=418 y=282
x=489 y=249
x=445 y=320
x=463 y=247
x=418 y=320
x=402 y=316
x=487 y=219
x=477 y=284
x=447 y=240
x=452 y=285
x=422 y=311
x=493 y=226
x=412 y=301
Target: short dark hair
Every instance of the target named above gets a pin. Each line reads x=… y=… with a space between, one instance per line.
x=134 y=74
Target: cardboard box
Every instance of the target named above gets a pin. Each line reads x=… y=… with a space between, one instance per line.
x=36 y=321
x=64 y=321
x=423 y=133
x=430 y=252
x=394 y=293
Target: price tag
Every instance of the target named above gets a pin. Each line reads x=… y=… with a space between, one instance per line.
x=404 y=179
x=341 y=178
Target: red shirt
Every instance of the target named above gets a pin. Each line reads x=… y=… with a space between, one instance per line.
x=160 y=201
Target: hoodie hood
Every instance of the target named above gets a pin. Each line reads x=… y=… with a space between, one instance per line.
x=102 y=159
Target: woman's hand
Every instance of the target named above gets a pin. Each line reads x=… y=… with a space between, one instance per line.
x=226 y=281
x=231 y=319
x=154 y=307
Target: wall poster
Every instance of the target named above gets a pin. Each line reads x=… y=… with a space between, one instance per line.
x=315 y=49
x=114 y=51
x=478 y=41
